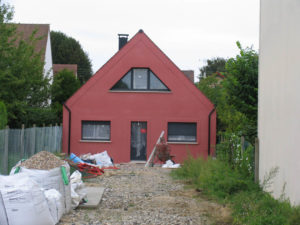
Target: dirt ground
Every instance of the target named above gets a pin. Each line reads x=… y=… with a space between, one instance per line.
x=137 y=195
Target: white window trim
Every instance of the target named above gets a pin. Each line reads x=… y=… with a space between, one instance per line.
x=96 y=141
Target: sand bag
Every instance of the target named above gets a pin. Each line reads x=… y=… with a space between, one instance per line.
x=24 y=202
x=50 y=172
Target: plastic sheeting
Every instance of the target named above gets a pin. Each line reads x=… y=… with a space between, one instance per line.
x=77 y=188
x=170 y=164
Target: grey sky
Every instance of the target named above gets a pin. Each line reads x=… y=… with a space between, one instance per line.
x=188 y=31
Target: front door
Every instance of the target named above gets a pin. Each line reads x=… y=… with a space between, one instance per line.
x=138 y=141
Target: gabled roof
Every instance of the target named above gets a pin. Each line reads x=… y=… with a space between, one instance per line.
x=42 y=31
x=140 y=44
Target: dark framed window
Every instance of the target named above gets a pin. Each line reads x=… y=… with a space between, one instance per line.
x=140 y=79
x=182 y=132
x=95 y=130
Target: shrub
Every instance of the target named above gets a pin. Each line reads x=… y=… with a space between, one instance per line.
x=249 y=203
x=295 y=216
x=215 y=177
x=230 y=151
x=260 y=208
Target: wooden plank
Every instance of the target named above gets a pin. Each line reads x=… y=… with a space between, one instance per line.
x=154 y=149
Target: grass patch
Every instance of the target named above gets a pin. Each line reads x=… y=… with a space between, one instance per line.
x=249 y=203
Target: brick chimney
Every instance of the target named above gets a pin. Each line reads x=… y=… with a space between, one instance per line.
x=189 y=74
x=122 y=40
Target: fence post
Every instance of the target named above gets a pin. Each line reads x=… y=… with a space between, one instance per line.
x=32 y=151
x=243 y=144
x=256 y=156
x=22 y=141
x=5 y=156
x=43 y=141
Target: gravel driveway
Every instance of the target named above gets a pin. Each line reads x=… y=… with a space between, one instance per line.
x=138 y=195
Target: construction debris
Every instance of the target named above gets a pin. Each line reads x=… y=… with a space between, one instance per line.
x=43 y=161
x=170 y=164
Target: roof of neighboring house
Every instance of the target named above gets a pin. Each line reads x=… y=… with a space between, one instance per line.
x=189 y=74
x=220 y=75
x=42 y=31
x=59 y=67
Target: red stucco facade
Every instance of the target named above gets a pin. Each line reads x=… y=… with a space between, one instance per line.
x=95 y=101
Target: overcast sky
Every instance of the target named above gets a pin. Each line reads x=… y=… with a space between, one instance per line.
x=188 y=31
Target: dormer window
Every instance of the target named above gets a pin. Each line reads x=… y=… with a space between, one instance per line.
x=140 y=79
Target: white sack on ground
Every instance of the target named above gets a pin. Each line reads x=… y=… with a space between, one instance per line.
x=77 y=193
x=170 y=164
x=24 y=201
x=3 y=216
x=55 y=204
x=51 y=179
x=103 y=159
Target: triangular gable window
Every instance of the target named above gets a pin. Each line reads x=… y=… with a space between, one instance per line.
x=140 y=79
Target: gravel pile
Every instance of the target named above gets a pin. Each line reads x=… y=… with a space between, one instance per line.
x=136 y=195
x=43 y=161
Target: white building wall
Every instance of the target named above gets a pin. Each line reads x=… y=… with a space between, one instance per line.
x=279 y=95
x=48 y=59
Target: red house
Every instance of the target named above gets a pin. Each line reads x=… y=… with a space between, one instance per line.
x=135 y=96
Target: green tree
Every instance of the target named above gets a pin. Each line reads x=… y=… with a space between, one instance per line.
x=212 y=88
x=23 y=84
x=241 y=86
x=64 y=86
x=66 y=50
x=235 y=97
x=212 y=66
x=228 y=118
x=3 y=115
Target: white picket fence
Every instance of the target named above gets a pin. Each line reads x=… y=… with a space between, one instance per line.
x=17 y=144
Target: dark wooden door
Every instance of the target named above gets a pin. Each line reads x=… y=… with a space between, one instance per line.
x=138 y=141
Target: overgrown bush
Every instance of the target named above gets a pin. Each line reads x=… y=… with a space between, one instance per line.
x=249 y=203
x=214 y=177
x=231 y=151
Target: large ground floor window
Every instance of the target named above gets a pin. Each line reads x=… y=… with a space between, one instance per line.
x=96 y=130
x=182 y=132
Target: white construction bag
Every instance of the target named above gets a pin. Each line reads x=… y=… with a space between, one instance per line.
x=23 y=201
x=103 y=159
x=55 y=204
x=52 y=179
x=77 y=188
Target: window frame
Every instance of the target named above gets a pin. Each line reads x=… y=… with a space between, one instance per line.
x=132 y=89
x=101 y=122
x=184 y=140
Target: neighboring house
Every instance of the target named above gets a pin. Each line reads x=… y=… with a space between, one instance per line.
x=43 y=45
x=220 y=76
x=59 y=67
x=279 y=96
x=135 y=96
